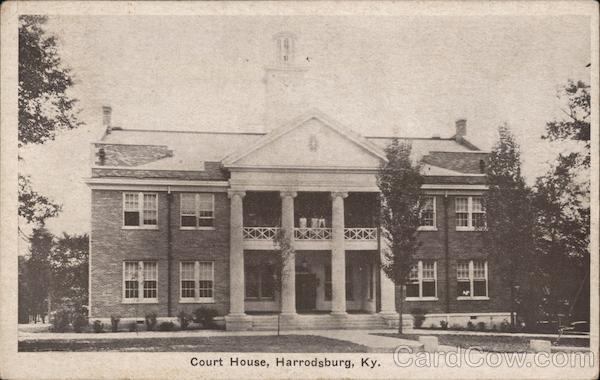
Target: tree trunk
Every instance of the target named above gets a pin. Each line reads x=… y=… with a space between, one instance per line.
x=400 y=311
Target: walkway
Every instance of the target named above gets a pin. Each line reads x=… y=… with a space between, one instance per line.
x=491 y=333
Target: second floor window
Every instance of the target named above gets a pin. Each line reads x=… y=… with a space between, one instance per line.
x=428 y=213
x=140 y=210
x=469 y=213
x=197 y=210
x=422 y=281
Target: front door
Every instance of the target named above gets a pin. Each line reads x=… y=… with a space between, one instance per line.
x=306 y=291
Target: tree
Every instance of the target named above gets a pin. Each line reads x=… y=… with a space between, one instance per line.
x=399 y=180
x=284 y=252
x=563 y=206
x=45 y=107
x=38 y=276
x=69 y=266
x=509 y=216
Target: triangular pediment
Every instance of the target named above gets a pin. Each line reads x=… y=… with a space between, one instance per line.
x=311 y=141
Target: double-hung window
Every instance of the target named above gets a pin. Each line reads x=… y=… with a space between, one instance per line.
x=259 y=281
x=428 y=221
x=422 y=281
x=470 y=214
x=328 y=283
x=472 y=279
x=140 y=210
x=140 y=282
x=196 y=281
x=197 y=211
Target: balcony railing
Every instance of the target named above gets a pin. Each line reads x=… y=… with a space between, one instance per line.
x=312 y=233
x=269 y=233
x=260 y=233
x=360 y=234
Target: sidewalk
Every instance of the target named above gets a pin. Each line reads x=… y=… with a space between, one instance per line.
x=491 y=333
x=374 y=343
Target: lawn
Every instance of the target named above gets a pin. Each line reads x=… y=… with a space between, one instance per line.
x=284 y=343
x=492 y=343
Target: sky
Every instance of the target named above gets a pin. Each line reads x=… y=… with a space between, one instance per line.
x=377 y=75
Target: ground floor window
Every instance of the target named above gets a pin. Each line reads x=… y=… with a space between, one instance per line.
x=140 y=281
x=349 y=285
x=259 y=280
x=472 y=279
x=197 y=281
x=328 y=283
x=422 y=281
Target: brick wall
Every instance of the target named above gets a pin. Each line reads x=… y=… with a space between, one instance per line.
x=111 y=245
x=463 y=245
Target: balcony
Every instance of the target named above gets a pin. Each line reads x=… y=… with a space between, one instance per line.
x=357 y=238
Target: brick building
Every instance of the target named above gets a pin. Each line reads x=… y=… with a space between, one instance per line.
x=182 y=220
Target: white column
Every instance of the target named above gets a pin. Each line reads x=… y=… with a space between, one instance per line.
x=288 y=286
x=388 y=290
x=338 y=254
x=236 y=254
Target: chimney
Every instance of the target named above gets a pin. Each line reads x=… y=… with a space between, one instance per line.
x=461 y=129
x=106 y=116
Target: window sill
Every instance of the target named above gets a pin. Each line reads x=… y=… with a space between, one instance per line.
x=421 y=299
x=196 y=300
x=427 y=228
x=477 y=298
x=139 y=300
x=480 y=229
x=197 y=228
x=139 y=227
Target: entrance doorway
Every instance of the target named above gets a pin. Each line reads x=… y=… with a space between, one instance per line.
x=306 y=292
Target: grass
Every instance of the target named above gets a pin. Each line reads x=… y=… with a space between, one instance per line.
x=491 y=343
x=284 y=343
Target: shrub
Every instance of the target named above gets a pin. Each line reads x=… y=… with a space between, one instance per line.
x=60 y=320
x=418 y=317
x=133 y=326
x=98 y=326
x=504 y=326
x=457 y=327
x=205 y=316
x=444 y=324
x=150 y=321
x=470 y=326
x=481 y=326
x=114 y=322
x=79 y=322
x=433 y=326
x=166 y=326
x=184 y=319
x=494 y=327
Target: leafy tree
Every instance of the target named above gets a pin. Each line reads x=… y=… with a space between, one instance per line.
x=37 y=273
x=399 y=180
x=44 y=105
x=69 y=265
x=509 y=216
x=563 y=207
x=576 y=126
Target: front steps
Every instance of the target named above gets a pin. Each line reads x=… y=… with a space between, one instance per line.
x=327 y=322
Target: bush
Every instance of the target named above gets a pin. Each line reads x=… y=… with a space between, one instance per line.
x=150 y=321
x=133 y=326
x=418 y=317
x=494 y=327
x=206 y=317
x=60 y=320
x=456 y=327
x=433 y=326
x=98 y=326
x=166 y=326
x=504 y=326
x=79 y=322
x=114 y=322
x=444 y=325
x=470 y=326
x=184 y=319
x=481 y=326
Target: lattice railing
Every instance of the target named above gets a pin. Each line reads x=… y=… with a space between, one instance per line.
x=312 y=233
x=362 y=234
x=260 y=233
